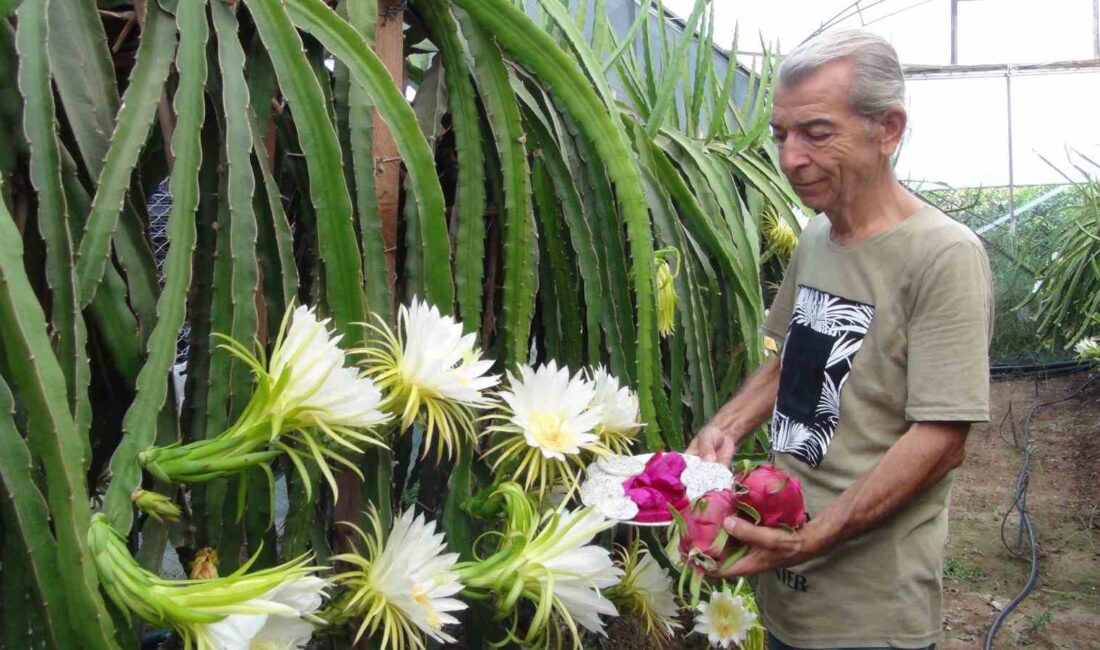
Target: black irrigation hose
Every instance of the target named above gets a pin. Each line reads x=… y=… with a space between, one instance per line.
x=1019 y=503
x=1052 y=369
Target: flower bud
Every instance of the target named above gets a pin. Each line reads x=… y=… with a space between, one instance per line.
x=779 y=235
x=155 y=505
x=666 y=298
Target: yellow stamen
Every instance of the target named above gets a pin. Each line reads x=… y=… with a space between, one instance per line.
x=724 y=618
x=420 y=597
x=547 y=430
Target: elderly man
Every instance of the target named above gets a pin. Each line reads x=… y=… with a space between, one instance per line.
x=884 y=316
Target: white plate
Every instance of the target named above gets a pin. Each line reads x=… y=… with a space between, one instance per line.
x=603 y=488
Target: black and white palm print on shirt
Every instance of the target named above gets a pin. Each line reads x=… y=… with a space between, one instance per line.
x=824 y=335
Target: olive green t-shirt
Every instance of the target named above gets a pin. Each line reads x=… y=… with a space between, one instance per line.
x=888 y=331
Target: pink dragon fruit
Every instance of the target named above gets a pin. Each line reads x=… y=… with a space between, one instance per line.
x=776 y=496
x=702 y=536
x=657 y=487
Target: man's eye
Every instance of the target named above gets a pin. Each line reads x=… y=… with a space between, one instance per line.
x=818 y=137
x=779 y=137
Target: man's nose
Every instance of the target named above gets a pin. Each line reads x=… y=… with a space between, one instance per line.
x=792 y=156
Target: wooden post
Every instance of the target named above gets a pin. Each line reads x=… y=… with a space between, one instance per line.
x=390 y=46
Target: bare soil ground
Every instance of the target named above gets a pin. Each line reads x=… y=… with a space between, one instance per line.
x=1064 y=502
x=982 y=575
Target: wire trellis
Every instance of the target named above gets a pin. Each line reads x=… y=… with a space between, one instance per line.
x=159 y=207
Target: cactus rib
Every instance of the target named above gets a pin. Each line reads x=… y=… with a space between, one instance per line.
x=139 y=430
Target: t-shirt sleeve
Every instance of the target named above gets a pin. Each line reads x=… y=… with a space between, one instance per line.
x=949 y=332
x=779 y=315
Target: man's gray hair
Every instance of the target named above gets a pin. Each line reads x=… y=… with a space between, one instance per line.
x=879 y=82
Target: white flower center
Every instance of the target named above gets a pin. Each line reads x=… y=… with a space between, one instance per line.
x=726 y=619
x=546 y=428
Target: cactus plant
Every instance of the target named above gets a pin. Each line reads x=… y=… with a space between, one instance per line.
x=539 y=207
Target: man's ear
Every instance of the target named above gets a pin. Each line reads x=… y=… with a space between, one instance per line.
x=891 y=129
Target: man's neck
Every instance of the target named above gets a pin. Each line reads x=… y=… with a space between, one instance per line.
x=875 y=208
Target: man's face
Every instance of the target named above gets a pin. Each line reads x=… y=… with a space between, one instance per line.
x=826 y=149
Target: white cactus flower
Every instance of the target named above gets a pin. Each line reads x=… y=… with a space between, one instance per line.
x=403 y=584
x=726 y=620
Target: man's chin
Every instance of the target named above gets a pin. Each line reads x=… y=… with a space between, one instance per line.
x=814 y=203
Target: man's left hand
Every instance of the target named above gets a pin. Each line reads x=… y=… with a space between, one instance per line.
x=769 y=548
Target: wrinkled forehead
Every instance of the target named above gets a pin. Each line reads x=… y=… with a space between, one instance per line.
x=823 y=93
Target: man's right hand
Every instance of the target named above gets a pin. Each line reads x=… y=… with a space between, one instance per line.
x=714 y=445
x=717 y=441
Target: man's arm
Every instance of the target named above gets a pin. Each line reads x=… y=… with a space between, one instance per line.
x=717 y=440
x=917 y=461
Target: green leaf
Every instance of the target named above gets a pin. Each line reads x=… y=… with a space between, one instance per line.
x=551 y=236
x=139 y=269
x=429 y=105
x=591 y=174
x=8 y=7
x=469 y=202
x=16 y=591
x=40 y=126
x=716 y=122
x=455 y=521
x=666 y=190
x=363 y=16
x=671 y=66
x=328 y=189
x=641 y=19
x=154 y=58
x=627 y=69
x=280 y=227
x=240 y=187
x=110 y=310
x=215 y=417
x=578 y=230
x=574 y=35
x=27 y=517
x=367 y=70
x=535 y=50
x=152 y=382
x=520 y=249
x=600 y=26
x=51 y=434
x=81 y=64
x=704 y=63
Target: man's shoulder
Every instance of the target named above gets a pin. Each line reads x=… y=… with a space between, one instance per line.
x=817 y=223
x=939 y=231
x=816 y=231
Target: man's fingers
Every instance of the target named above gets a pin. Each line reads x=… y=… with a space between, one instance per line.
x=751 y=534
x=746 y=566
x=725 y=451
x=703 y=447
